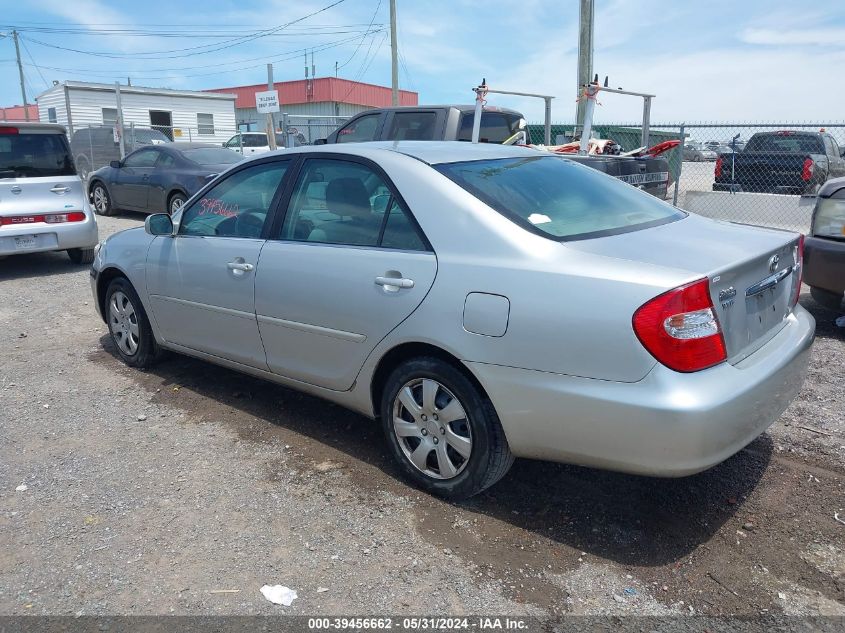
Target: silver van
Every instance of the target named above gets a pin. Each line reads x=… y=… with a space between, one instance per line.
x=43 y=206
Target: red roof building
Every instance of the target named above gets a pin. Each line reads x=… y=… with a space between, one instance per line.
x=17 y=113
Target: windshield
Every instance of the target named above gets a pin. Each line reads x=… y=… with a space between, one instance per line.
x=212 y=156
x=558 y=198
x=785 y=142
x=25 y=155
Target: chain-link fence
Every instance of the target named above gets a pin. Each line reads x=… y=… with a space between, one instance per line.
x=754 y=173
x=95 y=146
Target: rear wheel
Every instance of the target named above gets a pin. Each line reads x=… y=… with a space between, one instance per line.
x=442 y=430
x=128 y=325
x=81 y=255
x=826 y=298
x=101 y=200
x=177 y=201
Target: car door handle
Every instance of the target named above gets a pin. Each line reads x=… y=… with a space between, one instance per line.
x=60 y=189
x=390 y=283
x=242 y=267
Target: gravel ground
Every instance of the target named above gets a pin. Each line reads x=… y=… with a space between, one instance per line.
x=186 y=488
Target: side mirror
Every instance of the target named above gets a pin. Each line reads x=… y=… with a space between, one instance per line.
x=320 y=141
x=115 y=164
x=158 y=224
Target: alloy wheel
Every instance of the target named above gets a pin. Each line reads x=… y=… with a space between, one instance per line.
x=101 y=200
x=432 y=428
x=124 y=323
x=176 y=204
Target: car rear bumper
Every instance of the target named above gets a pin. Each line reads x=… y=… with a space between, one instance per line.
x=669 y=424
x=824 y=264
x=56 y=237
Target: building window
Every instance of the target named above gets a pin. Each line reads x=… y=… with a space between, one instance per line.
x=109 y=116
x=51 y=115
x=205 y=123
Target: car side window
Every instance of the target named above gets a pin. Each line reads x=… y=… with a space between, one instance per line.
x=256 y=140
x=399 y=230
x=165 y=160
x=344 y=202
x=412 y=126
x=235 y=141
x=359 y=130
x=238 y=206
x=141 y=158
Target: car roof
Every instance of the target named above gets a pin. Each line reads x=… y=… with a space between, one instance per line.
x=34 y=126
x=461 y=107
x=180 y=146
x=429 y=152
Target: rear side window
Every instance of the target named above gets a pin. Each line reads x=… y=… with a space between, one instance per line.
x=24 y=155
x=412 y=126
x=559 y=198
x=359 y=130
x=496 y=127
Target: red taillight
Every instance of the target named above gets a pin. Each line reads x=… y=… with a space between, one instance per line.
x=798 y=271
x=680 y=328
x=49 y=218
x=9 y=130
x=807 y=170
x=718 y=170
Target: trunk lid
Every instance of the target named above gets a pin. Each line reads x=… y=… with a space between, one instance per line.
x=35 y=196
x=752 y=271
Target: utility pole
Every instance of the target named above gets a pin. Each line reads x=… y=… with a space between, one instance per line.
x=20 y=73
x=119 y=123
x=394 y=56
x=586 y=18
x=271 y=127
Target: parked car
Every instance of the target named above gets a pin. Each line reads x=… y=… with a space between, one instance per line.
x=157 y=179
x=249 y=143
x=482 y=301
x=696 y=152
x=713 y=146
x=428 y=123
x=94 y=147
x=786 y=161
x=42 y=202
x=824 y=266
x=498 y=125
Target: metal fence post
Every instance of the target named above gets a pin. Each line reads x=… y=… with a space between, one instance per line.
x=190 y=138
x=680 y=166
x=285 y=127
x=646 y=120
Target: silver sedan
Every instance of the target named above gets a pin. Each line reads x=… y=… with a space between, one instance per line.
x=482 y=302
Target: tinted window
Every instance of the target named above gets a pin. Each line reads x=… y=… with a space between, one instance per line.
x=785 y=142
x=31 y=155
x=237 y=206
x=399 y=231
x=558 y=197
x=361 y=129
x=141 y=158
x=145 y=136
x=496 y=127
x=165 y=160
x=212 y=156
x=412 y=126
x=255 y=140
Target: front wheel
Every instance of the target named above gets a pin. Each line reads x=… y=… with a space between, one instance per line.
x=101 y=200
x=128 y=325
x=177 y=201
x=442 y=430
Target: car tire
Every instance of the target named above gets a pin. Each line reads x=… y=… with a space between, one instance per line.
x=176 y=201
x=454 y=458
x=81 y=255
x=697 y=159
x=129 y=326
x=101 y=200
x=826 y=298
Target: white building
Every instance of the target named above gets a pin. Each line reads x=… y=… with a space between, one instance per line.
x=181 y=115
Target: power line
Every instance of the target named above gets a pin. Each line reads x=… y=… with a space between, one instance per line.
x=357 y=48
x=365 y=66
x=32 y=59
x=195 y=50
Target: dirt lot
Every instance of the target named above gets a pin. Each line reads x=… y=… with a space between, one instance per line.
x=150 y=492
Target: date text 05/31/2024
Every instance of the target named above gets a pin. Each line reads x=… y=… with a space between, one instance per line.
x=419 y=623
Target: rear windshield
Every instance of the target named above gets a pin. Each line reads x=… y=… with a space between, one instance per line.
x=212 y=156
x=559 y=198
x=33 y=155
x=785 y=142
x=148 y=136
x=496 y=127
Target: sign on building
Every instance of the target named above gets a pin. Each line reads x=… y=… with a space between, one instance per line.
x=267 y=101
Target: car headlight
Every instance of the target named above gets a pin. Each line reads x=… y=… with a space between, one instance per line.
x=830 y=218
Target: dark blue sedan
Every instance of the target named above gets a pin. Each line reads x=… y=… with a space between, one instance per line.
x=157 y=179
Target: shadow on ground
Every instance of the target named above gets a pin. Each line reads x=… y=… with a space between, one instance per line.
x=629 y=519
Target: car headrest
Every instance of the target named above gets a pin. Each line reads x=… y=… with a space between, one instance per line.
x=348 y=197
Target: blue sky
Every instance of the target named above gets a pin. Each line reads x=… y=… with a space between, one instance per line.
x=719 y=60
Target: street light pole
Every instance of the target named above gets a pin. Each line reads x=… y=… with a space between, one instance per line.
x=20 y=73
